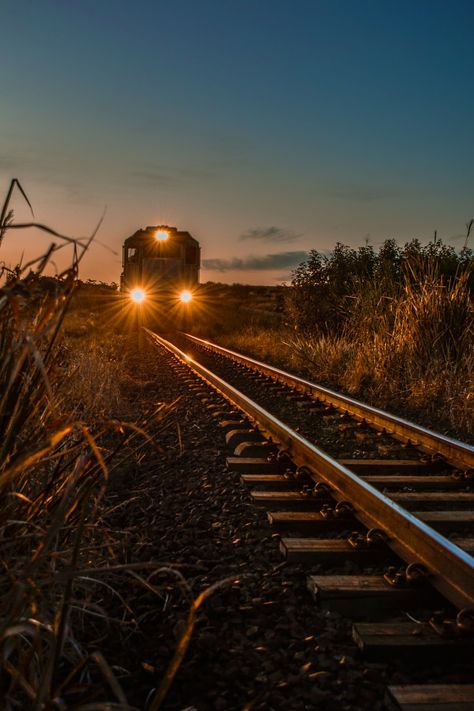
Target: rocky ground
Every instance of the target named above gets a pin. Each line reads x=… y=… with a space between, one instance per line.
x=258 y=642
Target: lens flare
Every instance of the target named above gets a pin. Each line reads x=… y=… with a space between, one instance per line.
x=185 y=297
x=137 y=295
x=161 y=235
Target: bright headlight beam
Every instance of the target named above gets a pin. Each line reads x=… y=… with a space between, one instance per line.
x=161 y=235
x=137 y=295
x=185 y=297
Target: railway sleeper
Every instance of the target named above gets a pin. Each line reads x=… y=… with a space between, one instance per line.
x=428 y=483
x=317 y=522
x=312 y=522
x=249 y=465
x=293 y=499
x=225 y=415
x=279 y=482
x=368 y=596
x=333 y=551
x=387 y=467
x=418 y=641
x=457 y=498
x=430 y=697
x=445 y=521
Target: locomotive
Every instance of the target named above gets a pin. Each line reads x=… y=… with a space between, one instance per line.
x=161 y=269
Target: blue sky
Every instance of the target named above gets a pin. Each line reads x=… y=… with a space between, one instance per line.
x=265 y=127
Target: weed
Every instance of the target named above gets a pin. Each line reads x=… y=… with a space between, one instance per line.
x=394 y=328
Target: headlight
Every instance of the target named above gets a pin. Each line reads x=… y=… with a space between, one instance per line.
x=137 y=295
x=185 y=297
x=161 y=235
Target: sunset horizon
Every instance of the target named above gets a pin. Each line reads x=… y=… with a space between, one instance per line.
x=265 y=130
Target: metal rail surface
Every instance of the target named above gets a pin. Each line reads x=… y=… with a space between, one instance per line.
x=459 y=454
x=450 y=569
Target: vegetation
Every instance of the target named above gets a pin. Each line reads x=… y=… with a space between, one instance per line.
x=222 y=309
x=66 y=435
x=393 y=327
x=330 y=290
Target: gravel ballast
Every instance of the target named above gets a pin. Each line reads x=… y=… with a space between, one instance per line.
x=259 y=641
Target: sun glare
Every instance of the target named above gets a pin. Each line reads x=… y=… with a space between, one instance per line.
x=137 y=295
x=186 y=297
x=161 y=235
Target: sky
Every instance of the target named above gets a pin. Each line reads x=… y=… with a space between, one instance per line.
x=266 y=128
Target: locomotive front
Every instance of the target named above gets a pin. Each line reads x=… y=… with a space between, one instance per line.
x=160 y=268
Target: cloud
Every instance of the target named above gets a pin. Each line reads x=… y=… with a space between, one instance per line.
x=360 y=193
x=170 y=177
x=154 y=178
x=270 y=234
x=281 y=260
x=80 y=193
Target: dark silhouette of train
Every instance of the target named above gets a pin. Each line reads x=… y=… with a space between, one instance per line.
x=160 y=268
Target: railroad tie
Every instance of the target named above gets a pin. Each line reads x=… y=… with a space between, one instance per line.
x=430 y=697
x=384 y=640
x=365 y=596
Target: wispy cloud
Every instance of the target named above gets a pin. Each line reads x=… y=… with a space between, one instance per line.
x=154 y=179
x=270 y=234
x=280 y=260
x=361 y=193
x=170 y=177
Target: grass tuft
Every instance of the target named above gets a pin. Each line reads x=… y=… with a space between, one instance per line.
x=394 y=328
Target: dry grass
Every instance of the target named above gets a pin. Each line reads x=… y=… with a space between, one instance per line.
x=93 y=375
x=71 y=423
x=61 y=441
x=417 y=351
x=412 y=353
x=53 y=468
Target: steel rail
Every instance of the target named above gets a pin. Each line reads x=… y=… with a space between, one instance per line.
x=457 y=453
x=450 y=569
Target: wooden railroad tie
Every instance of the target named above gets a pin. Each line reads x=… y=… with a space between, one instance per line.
x=335 y=551
x=430 y=697
x=382 y=640
x=391 y=466
x=366 y=596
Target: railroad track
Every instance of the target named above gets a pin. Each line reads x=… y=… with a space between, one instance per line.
x=407 y=516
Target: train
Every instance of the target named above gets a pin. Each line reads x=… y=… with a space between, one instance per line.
x=160 y=270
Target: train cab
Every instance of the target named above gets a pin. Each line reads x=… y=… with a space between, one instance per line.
x=160 y=277
x=160 y=264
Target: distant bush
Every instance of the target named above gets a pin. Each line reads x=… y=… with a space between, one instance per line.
x=327 y=286
x=394 y=327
